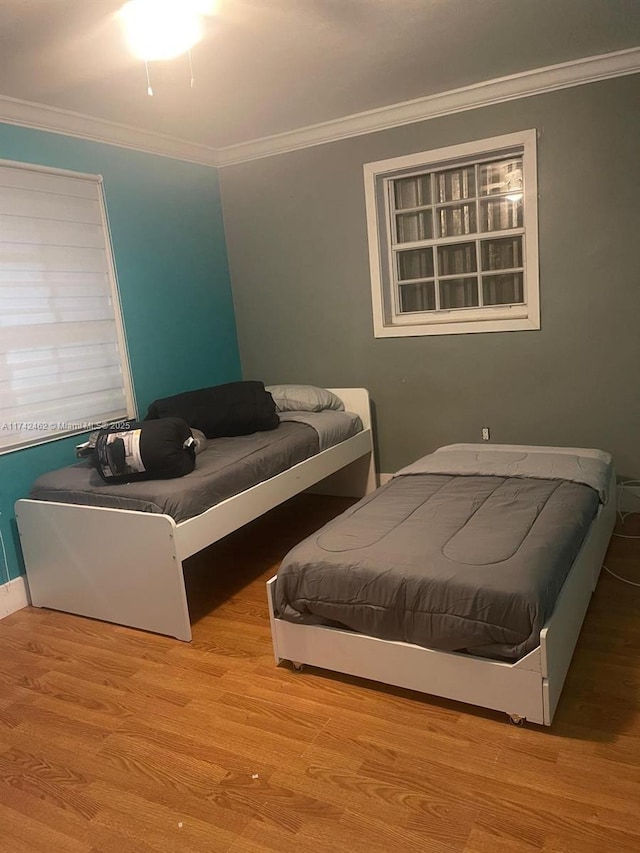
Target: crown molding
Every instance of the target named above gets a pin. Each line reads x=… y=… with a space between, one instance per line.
x=525 y=84
x=522 y=85
x=54 y=120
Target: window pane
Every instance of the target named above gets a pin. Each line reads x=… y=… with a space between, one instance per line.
x=500 y=214
x=503 y=289
x=412 y=192
x=457 y=258
x=456 y=184
x=505 y=176
x=414 y=226
x=417 y=263
x=456 y=220
x=502 y=254
x=417 y=297
x=459 y=293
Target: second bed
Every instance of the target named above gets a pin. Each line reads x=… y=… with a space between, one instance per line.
x=467 y=575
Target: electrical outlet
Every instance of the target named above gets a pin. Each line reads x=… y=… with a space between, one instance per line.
x=485 y=433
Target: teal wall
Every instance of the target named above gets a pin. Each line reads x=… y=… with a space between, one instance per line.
x=170 y=255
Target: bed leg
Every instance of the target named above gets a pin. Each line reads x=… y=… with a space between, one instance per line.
x=516 y=719
x=114 y=565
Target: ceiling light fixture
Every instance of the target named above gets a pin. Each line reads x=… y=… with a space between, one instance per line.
x=164 y=29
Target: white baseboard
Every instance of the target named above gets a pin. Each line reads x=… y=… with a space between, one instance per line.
x=13 y=596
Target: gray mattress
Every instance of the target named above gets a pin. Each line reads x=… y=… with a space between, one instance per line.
x=459 y=563
x=226 y=467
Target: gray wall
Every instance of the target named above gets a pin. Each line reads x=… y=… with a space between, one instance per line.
x=296 y=236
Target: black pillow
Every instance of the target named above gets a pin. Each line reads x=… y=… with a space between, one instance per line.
x=237 y=408
x=152 y=450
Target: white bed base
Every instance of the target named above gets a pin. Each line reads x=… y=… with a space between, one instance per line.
x=526 y=690
x=126 y=567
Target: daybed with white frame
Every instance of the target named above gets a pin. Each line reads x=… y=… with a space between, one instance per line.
x=126 y=566
x=527 y=689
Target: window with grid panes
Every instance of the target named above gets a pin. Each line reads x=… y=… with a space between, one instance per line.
x=453 y=239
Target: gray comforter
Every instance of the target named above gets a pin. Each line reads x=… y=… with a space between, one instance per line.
x=226 y=467
x=454 y=562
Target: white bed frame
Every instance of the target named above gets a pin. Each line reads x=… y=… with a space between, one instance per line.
x=126 y=567
x=526 y=690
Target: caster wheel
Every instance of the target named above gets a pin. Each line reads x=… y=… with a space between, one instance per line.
x=516 y=719
x=298 y=667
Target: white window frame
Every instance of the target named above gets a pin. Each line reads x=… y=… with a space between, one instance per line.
x=377 y=176
x=80 y=424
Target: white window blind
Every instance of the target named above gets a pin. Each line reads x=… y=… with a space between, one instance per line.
x=63 y=358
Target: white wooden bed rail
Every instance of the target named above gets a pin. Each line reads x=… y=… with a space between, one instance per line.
x=126 y=567
x=196 y=533
x=526 y=690
x=559 y=636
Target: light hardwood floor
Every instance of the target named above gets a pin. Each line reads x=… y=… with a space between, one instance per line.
x=117 y=741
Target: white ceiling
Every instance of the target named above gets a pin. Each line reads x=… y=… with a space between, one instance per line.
x=271 y=66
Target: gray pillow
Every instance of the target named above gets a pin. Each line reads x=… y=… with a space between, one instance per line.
x=304 y=398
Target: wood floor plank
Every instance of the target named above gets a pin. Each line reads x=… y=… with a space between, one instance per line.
x=167 y=828
x=21 y=819
x=345 y=693
x=374 y=740
x=68 y=728
x=28 y=802
x=248 y=737
x=111 y=702
x=562 y=844
x=368 y=834
x=535 y=824
x=204 y=746
x=117 y=741
x=396 y=804
x=535 y=808
x=280 y=805
x=268 y=716
x=50 y=647
x=489 y=841
x=258 y=837
x=157 y=776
